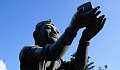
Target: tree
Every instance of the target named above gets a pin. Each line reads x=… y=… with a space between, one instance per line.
x=89 y=65
x=100 y=68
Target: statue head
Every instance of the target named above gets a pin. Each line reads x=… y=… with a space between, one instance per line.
x=45 y=33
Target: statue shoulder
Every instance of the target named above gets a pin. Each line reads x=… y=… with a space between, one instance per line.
x=25 y=49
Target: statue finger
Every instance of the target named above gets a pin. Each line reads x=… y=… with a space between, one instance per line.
x=101 y=18
x=94 y=10
x=103 y=22
x=97 y=20
x=97 y=14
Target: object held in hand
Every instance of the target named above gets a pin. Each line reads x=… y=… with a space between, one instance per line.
x=87 y=7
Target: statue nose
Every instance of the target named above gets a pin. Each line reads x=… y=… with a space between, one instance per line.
x=54 y=31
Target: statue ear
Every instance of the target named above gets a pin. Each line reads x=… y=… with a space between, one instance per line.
x=35 y=35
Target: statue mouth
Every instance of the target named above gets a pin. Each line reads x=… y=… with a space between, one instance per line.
x=53 y=35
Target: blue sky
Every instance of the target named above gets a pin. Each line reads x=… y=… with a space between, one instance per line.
x=19 y=17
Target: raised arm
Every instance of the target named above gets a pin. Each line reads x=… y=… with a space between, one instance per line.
x=59 y=48
x=87 y=35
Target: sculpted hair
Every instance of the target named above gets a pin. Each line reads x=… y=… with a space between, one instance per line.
x=37 y=28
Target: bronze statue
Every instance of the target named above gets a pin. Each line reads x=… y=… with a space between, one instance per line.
x=49 y=47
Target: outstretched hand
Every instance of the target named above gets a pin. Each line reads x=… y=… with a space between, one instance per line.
x=92 y=30
x=83 y=20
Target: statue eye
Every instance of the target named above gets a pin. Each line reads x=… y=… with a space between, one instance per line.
x=47 y=27
x=57 y=31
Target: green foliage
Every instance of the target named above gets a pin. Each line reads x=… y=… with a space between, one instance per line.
x=89 y=65
x=100 y=68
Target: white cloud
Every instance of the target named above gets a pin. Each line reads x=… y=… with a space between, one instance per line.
x=2 y=65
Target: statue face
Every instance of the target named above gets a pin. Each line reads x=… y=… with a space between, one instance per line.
x=48 y=34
